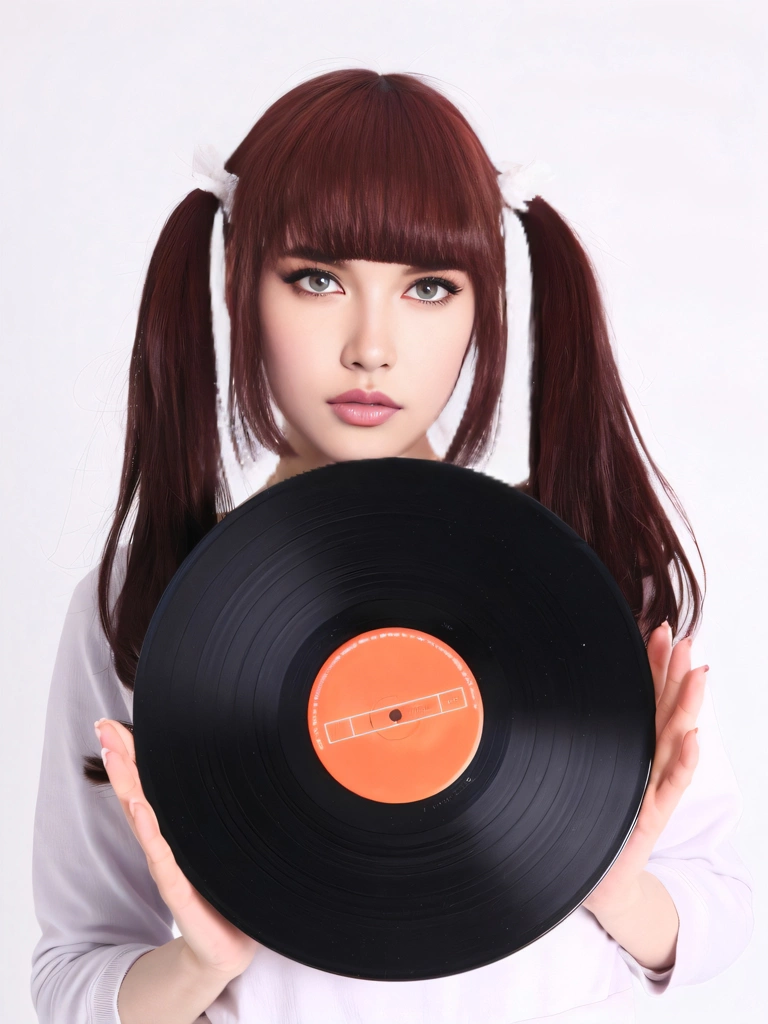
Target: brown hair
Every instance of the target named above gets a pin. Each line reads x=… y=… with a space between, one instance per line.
x=378 y=167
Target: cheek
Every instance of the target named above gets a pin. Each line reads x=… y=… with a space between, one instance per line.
x=437 y=350
x=290 y=370
x=287 y=346
x=297 y=372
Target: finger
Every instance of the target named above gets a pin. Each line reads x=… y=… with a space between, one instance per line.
x=659 y=650
x=174 y=887
x=680 y=722
x=115 y=736
x=118 y=773
x=127 y=737
x=679 y=778
x=679 y=665
x=121 y=769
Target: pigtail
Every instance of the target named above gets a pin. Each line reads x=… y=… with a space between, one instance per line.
x=172 y=456
x=584 y=462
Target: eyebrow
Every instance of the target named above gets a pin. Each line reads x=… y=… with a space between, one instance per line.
x=306 y=252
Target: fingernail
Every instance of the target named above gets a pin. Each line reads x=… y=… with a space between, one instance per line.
x=104 y=752
x=97 y=730
x=706 y=668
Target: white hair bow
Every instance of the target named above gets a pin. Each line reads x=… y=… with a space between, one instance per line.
x=208 y=171
x=521 y=182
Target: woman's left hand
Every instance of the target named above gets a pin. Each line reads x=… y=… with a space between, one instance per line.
x=679 y=694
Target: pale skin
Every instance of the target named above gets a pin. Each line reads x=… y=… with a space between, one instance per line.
x=381 y=326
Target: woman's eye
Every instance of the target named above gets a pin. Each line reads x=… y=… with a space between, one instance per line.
x=318 y=282
x=428 y=291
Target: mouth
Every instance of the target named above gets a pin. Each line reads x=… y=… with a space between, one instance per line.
x=358 y=397
x=363 y=414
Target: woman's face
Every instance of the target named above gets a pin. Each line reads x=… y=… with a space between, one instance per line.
x=329 y=328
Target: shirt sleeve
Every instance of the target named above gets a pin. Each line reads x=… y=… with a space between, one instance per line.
x=96 y=903
x=695 y=860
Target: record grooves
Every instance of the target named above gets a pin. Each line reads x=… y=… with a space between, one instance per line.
x=395 y=718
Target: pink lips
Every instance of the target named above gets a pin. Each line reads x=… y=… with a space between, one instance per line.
x=363 y=408
x=365 y=398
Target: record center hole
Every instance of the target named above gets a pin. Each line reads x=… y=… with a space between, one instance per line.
x=395 y=715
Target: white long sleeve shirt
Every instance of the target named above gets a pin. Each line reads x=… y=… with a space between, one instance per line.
x=99 y=909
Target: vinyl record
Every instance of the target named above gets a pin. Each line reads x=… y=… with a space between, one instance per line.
x=395 y=718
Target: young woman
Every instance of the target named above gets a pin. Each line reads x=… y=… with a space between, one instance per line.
x=364 y=239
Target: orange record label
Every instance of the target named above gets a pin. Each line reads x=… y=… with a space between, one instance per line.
x=395 y=715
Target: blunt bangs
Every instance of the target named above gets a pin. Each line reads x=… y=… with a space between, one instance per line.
x=377 y=173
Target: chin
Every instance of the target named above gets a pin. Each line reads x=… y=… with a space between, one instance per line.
x=364 y=448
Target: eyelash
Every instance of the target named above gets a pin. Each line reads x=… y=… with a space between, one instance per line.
x=297 y=275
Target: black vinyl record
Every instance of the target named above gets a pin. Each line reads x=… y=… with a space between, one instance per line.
x=544 y=777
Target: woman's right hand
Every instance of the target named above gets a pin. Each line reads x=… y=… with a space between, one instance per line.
x=215 y=943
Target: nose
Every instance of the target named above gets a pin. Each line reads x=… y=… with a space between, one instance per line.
x=370 y=334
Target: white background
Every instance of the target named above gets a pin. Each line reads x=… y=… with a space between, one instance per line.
x=652 y=115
